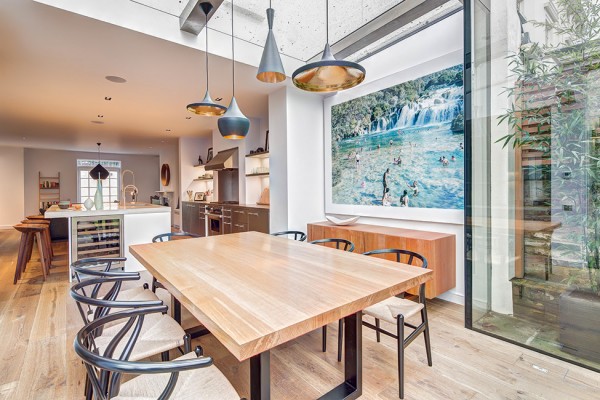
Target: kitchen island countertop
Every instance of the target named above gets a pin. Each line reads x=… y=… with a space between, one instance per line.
x=109 y=209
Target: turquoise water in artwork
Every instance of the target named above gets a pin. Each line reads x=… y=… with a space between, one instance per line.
x=425 y=136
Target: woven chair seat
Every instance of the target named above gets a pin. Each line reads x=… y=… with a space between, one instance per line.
x=202 y=383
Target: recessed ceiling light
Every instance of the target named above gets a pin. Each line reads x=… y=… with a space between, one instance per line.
x=219 y=99
x=97 y=122
x=115 y=79
x=107 y=98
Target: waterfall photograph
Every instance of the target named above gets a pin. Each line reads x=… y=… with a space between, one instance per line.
x=402 y=146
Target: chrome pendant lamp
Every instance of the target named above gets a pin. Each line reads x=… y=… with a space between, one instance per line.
x=328 y=74
x=270 y=69
x=233 y=124
x=207 y=107
x=99 y=172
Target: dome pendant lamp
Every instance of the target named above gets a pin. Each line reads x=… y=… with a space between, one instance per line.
x=207 y=107
x=270 y=69
x=328 y=74
x=233 y=124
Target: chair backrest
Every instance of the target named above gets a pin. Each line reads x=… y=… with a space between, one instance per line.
x=90 y=301
x=299 y=236
x=165 y=237
x=345 y=244
x=411 y=259
x=89 y=266
x=105 y=369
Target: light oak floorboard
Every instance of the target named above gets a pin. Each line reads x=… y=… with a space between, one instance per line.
x=38 y=321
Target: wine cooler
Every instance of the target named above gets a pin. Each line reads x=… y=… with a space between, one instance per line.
x=100 y=236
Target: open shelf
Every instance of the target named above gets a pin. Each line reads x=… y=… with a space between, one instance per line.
x=204 y=179
x=199 y=165
x=259 y=174
x=264 y=154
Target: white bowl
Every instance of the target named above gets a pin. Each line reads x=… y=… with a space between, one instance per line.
x=339 y=221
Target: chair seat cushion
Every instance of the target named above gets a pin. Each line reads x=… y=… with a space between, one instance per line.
x=201 y=383
x=159 y=333
x=389 y=309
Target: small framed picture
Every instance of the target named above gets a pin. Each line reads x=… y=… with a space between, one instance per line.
x=209 y=156
x=199 y=196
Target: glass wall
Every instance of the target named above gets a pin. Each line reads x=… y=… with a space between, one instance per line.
x=533 y=174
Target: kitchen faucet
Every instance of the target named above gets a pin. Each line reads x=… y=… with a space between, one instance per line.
x=131 y=187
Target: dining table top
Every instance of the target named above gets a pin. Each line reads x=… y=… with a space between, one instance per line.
x=254 y=291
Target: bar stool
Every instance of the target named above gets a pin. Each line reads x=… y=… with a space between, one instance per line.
x=45 y=237
x=29 y=232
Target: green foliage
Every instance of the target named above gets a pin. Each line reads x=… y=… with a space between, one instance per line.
x=554 y=110
x=352 y=118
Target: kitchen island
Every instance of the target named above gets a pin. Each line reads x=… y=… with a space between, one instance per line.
x=110 y=232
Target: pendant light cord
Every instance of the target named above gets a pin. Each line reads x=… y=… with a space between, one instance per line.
x=206 y=49
x=232 y=49
x=327 y=20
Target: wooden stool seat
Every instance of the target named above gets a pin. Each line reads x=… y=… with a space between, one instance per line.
x=29 y=232
x=38 y=217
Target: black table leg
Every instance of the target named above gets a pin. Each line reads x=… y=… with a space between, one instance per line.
x=194 y=332
x=352 y=386
x=260 y=376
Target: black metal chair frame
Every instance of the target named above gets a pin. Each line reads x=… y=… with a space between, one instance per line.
x=400 y=322
x=348 y=246
x=298 y=235
x=161 y=238
x=104 y=371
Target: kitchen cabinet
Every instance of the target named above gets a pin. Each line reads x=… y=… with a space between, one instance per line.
x=258 y=220
x=239 y=216
x=193 y=219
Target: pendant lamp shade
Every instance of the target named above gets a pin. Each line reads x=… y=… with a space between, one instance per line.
x=99 y=172
x=270 y=69
x=207 y=107
x=233 y=124
x=328 y=74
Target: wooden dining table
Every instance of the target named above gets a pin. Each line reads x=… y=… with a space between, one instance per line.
x=254 y=291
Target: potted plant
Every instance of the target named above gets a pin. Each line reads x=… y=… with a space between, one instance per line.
x=555 y=114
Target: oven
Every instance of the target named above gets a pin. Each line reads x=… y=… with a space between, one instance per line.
x=214 y=220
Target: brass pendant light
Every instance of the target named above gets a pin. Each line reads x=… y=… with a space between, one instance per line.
x=328 y=74
x=233 y=124
x=207 y=107
x=270 y=69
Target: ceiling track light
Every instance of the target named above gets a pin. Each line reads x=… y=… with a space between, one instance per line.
x=270 y=69
x=207 y=107
x=328 y=74
x=233 y=124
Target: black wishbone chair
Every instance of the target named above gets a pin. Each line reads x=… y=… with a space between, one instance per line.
x=166 y=237
x=159 y=334
x=396 y=310
x=345 y=245
x=299 y=236
x=187 y=377
x=88 y=267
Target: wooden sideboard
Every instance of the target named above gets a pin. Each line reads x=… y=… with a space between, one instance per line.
x=438 y=248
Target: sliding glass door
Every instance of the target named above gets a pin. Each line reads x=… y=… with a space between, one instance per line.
x=533 y=174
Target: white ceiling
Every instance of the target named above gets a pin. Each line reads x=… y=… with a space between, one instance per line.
x=52 y=78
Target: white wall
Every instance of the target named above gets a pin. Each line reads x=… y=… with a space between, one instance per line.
x=50 y=162
x=12 y=195
x=170 y=155
x=297 y=137
x=189 y=150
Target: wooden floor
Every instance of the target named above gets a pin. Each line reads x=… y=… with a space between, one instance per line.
x=38 y=321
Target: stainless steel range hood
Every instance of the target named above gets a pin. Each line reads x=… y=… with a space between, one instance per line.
x=226 y=159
